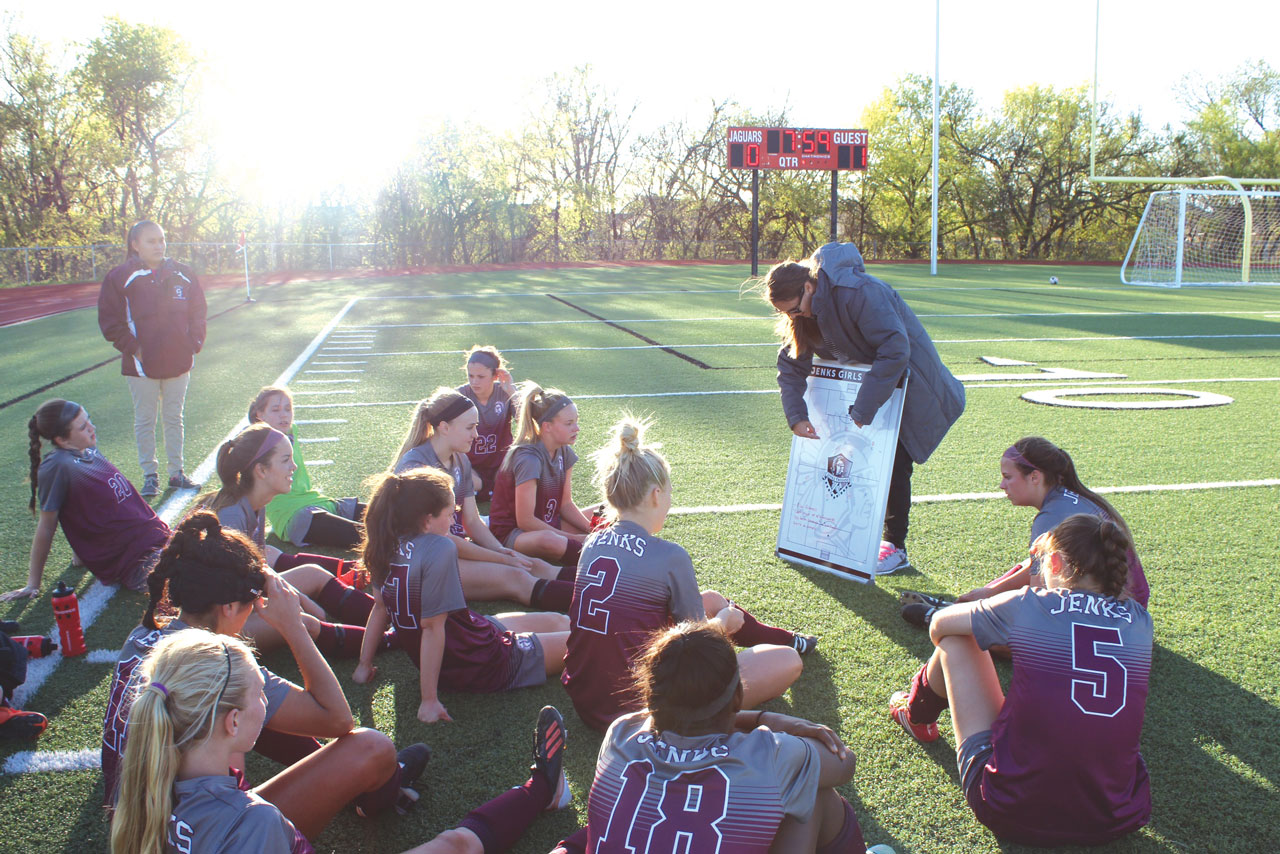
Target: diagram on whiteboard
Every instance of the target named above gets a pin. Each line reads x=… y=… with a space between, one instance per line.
x=838 y=484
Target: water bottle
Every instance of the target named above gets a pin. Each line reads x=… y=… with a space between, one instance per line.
x=38 y=646
x=66 y=611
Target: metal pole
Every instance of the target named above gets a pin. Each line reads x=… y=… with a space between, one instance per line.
x=937 y=49
x=755 y=222
x=26 y=262
x=93 y=255
x=834 y=175
x=330 y=256
x=248 y=294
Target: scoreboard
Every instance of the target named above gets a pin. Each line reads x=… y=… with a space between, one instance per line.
x=797 y=148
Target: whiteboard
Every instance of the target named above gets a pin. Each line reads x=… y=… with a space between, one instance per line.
x=838 y=484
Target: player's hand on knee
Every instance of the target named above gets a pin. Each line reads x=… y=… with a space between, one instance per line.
x=804 y=429
x=731 y=618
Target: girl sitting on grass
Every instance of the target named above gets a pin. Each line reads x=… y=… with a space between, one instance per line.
x=304 y=516
x=414 y=564
x=443 y=430
x=631 y=583
x=489 y=387
x=1057 y=761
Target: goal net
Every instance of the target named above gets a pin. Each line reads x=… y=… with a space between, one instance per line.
x=1206 y=237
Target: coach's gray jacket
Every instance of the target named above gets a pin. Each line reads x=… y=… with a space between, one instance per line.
x=865 y=320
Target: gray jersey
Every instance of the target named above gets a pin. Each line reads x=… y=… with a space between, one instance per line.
x=1059 y=504
x=211 y=815
x=460 y=471
x=241 y=516
x=724 y=793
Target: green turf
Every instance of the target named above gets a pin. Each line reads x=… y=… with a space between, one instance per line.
x=1212 y=737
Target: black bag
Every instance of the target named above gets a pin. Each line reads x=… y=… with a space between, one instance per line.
x=13 y=665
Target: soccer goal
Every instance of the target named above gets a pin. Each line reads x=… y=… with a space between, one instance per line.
x=1206 y=237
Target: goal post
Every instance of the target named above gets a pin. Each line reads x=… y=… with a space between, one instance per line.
x=1206 y=237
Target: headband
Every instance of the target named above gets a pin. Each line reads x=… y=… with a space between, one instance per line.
x=1015 y=456
x=274 y=438
x=706 y=710
x=560 y=401
x=68 y=412
x=457 y=406
x=227 y=652
x=481 y=357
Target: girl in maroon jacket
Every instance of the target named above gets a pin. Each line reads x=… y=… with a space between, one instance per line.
x=153 y=310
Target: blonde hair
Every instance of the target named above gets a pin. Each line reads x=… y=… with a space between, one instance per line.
x=191 y=679
x=428 y=416
x=533 y=402
x=627 y=468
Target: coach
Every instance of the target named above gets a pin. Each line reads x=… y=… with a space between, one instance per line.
x=830 y=306
x=153 y=310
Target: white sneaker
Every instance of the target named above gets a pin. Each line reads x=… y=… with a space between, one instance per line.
x=891 y=559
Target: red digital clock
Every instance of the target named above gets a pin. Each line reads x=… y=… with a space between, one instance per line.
x=797 y=148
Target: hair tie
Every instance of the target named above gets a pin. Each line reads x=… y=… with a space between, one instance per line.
x=480 y=357
x=557 y=403
x=1015 y=456
x=274 y=438
x=159 y=686
x=456 y=406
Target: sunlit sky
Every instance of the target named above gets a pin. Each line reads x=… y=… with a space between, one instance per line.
x=303 y=99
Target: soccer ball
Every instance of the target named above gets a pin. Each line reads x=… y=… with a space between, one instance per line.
x=1053 y=280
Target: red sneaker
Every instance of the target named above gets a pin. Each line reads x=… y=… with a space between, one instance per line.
x=898 y=712
x=15 y=723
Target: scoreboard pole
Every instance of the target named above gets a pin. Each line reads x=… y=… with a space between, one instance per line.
x=755 y=223
x=834 y=175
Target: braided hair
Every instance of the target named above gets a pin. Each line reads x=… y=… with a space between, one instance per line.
x=1092 y=548
x=53 y=420
x=205 y=565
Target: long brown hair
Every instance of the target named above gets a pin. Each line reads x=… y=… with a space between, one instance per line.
x=1059 y=470
x=399 y=505
x=785 y=282
x=235 y=461
x=1093 y=548
x=52 y=420
x=204 y=565
x=687 y=677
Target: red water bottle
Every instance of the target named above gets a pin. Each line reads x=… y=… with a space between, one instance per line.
x=66 y=610
x=38 y=646
x=598 y=518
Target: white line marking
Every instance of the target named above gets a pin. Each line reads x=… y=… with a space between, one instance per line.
x=327 y=382
x=95 y=599
x=102 y=656
x=1132 y=380
x=1098 y=338
x=1001 y=362
x=992 y=496
x=319 y=462
x=329 y=391
x=338 y=371
x=309 y=439
x=339 y=363
x=320 y=421
x=53 y=760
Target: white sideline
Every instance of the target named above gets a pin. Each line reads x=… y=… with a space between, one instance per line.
x=97 y=596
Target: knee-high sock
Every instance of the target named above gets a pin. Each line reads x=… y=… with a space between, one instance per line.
x=332 y=564
x=755 y=632
x=849 y=840
x=501 y=822
x=572 y=552
x=339 y=641
x=345 y=603
x=551 y=595
x=923 y=703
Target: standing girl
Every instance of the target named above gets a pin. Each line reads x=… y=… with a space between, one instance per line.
x=153 y=310
x=302 y=515
x=415 y=564
x=443 y=429
x=109 y=527
x=695 y=772
x=631 y=583
x=489 y=387
x=216 y=579
x=831 y=307
x=533 y=510
x=1057 y=761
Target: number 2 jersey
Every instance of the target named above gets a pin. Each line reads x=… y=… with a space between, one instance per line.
x=629 y=584
x=1065 y=765
x=721 y=793
x=525 y=463
x=423 y=583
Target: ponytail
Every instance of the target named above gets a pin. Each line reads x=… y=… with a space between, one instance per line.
x=536 y=406
x=185 y=687
x=1092 y=548
x=445 y=404
x=627 y=468
x=52 y=420
x=234 y=464
x=1036 y=453
x=202 y=566
x=397 y=508
x=131 y=254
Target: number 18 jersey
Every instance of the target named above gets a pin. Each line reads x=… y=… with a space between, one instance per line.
x=711 y=794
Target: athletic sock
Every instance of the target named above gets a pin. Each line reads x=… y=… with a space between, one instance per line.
x=345 y=603
x=572 y=552
x=755 y=632
x=551 y=595
x=339 y=641
x=380 y=799
x=849 y=840
x=501 y=822
x=923 y=703
x=287 y=561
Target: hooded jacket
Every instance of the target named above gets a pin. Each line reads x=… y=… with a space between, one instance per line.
x=863 y=320
x=155 y=318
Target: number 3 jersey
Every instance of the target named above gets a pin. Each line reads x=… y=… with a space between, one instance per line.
x=711 y=794
x=629 y=583
x=524 y=463
x=1065 y=745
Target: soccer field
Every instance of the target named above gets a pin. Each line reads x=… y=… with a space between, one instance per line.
x=680 y=344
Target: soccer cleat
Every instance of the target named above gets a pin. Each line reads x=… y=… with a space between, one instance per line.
x=804 y=644
x=548 y=755
x=898 y=712
x=15 y=723
x=181 y=481
x=891 y=559
x=412 y=761
x=906 y=597
x=150 y=486
x=918 y=614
